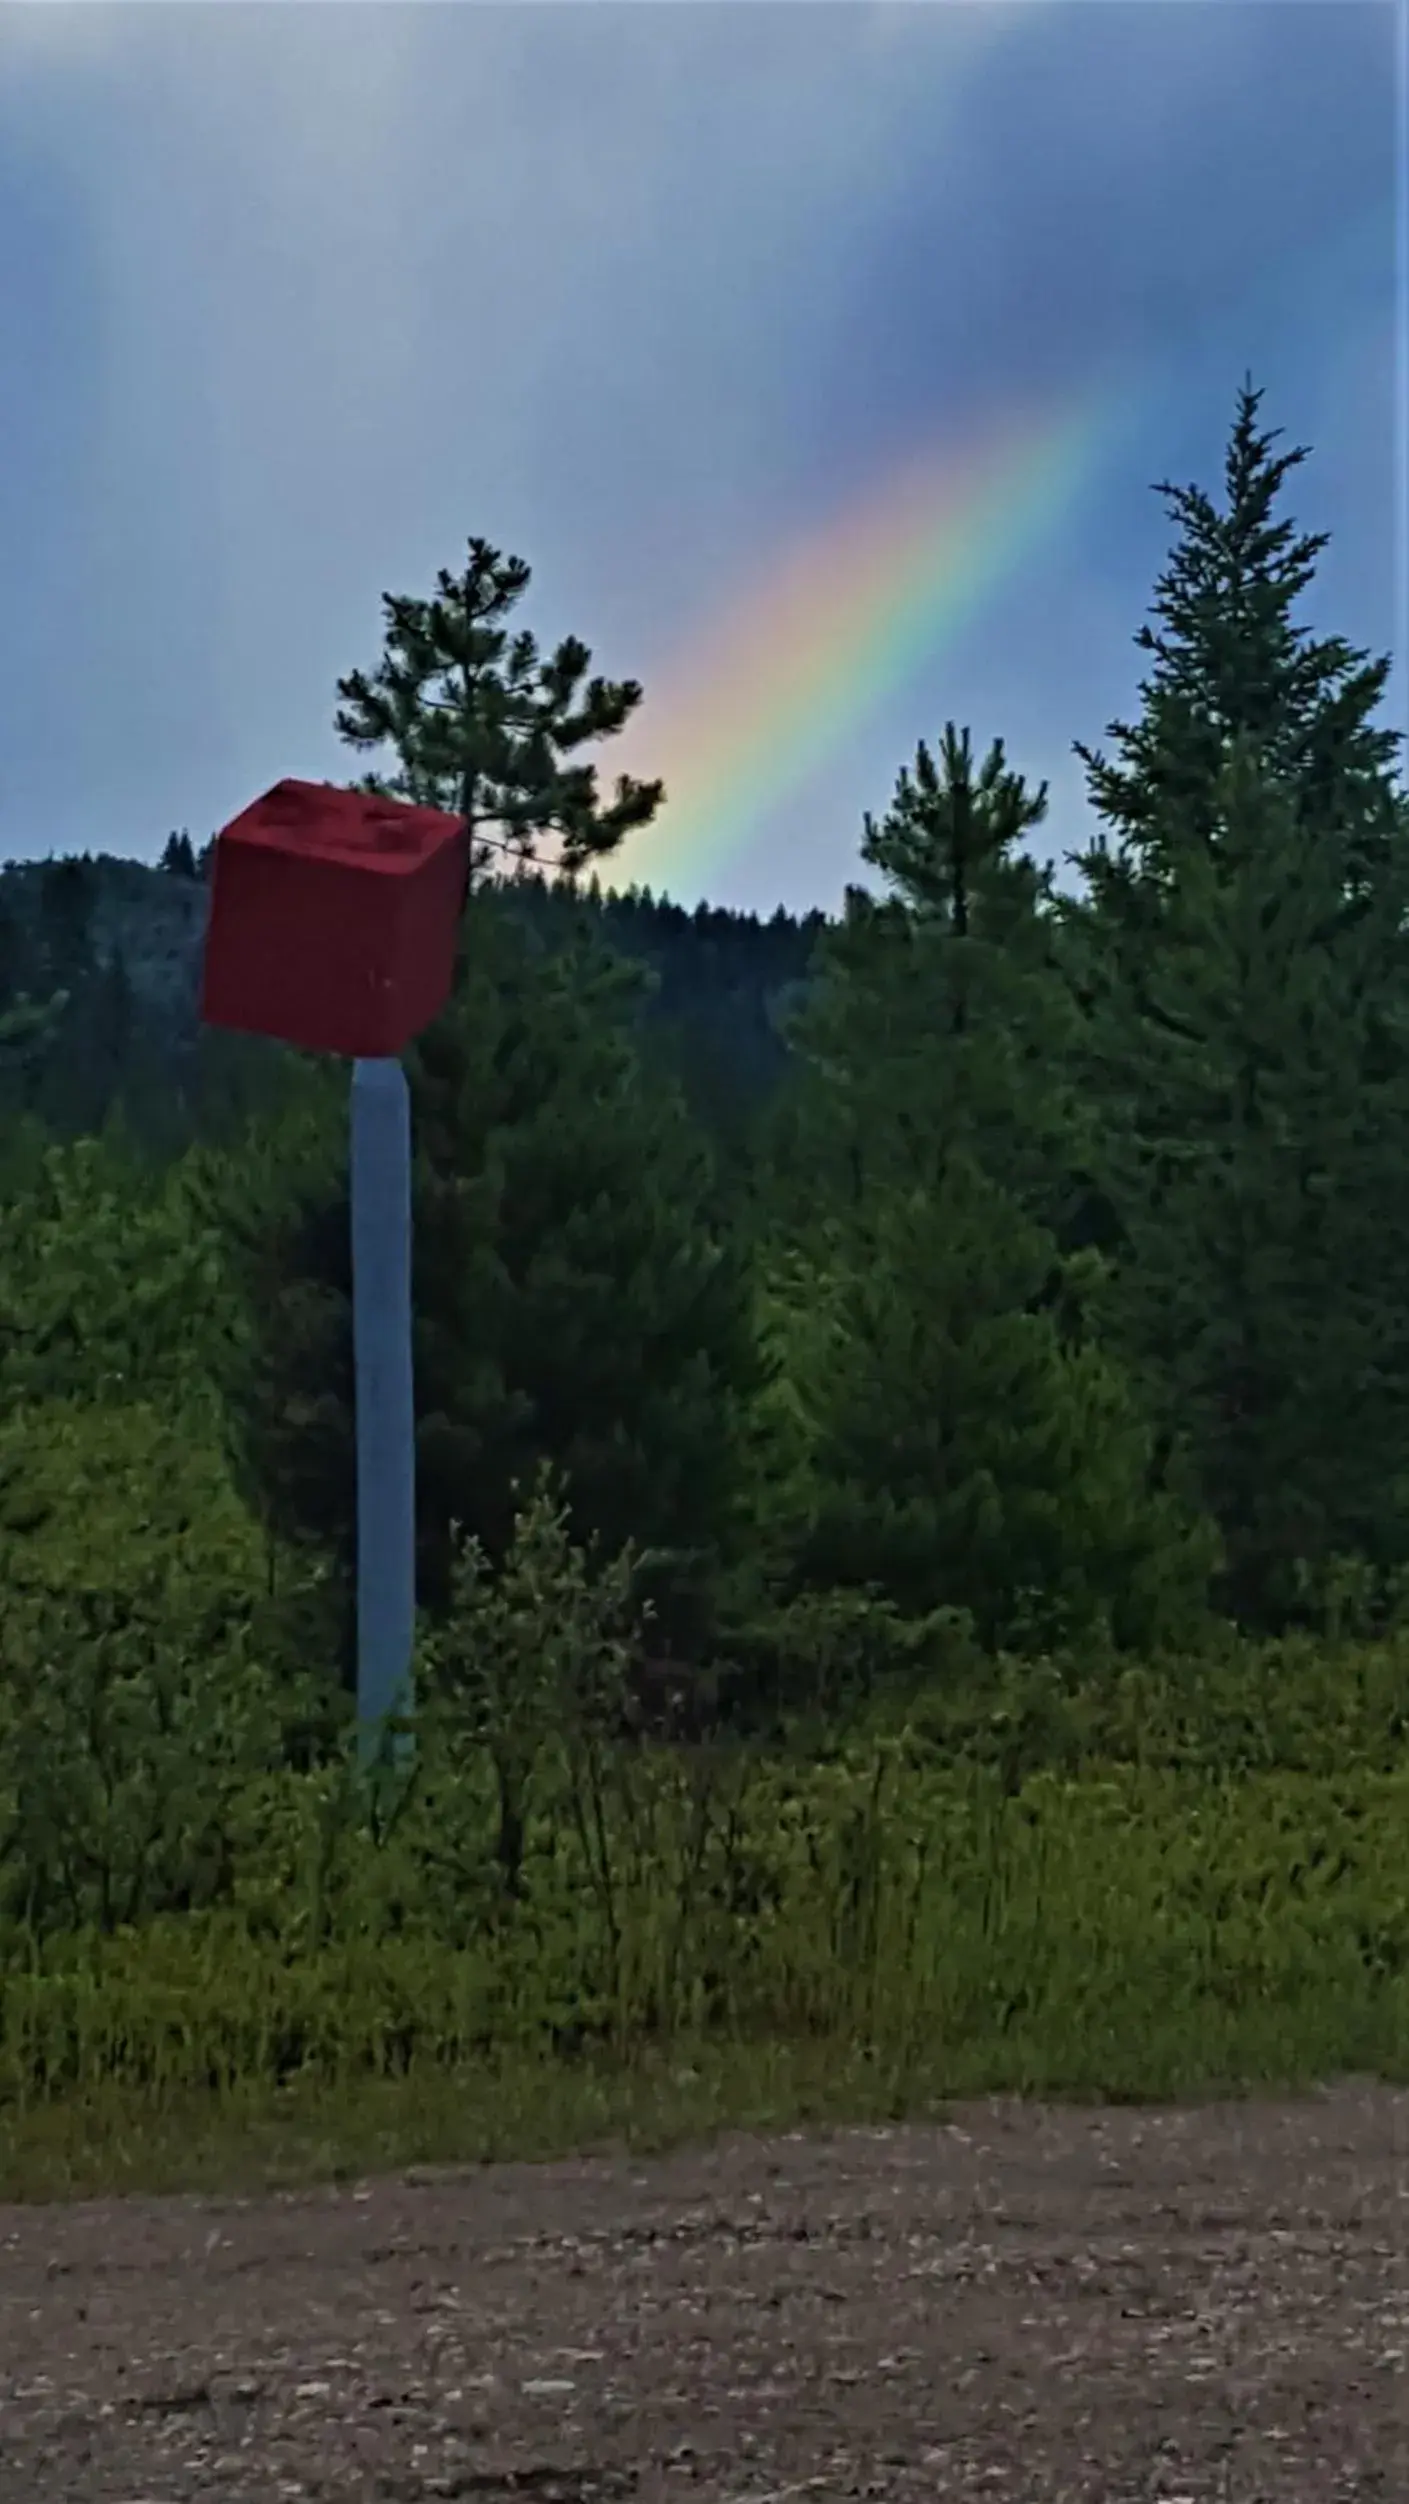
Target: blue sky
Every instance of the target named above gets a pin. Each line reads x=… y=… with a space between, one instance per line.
x=295 y=298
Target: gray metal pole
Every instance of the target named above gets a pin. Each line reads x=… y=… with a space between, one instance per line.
x=386 y=1431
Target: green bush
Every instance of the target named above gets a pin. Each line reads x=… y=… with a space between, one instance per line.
x=147 y=1697
x=1100 y=1932
x=1070 y=1874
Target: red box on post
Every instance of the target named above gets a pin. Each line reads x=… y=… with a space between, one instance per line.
x=333 y=919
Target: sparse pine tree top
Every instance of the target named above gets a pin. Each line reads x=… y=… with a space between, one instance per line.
x=937 y=1012
x=947 y=846
x=483 y=726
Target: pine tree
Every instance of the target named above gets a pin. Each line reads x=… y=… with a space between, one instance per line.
x=968 y=1443
x=177 y=859
x=482 y=726
x=1242 y=963
x=1231 y=660
x=575 y=1299
x=948 y=983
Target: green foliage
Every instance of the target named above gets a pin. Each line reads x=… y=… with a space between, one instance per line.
x=1243 y=965
x=1067 y=1279
x=27 y=1025
x=575 y=1301
x=87 y=1492
x=530 y=1661
x=482 y=726
x=936 y=1021
x=178 y=859
x=965 y=1456
x=98 y=995
x=710 y=1010
x=111 y=1287
x=1131 y=1932
x=817 y=1664
x=1231 y=661
x=1097 y=1885
x=959 y=1438
x=1295 y=1705
x=144 y=1685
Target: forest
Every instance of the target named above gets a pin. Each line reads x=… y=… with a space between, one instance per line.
x=912 y=1423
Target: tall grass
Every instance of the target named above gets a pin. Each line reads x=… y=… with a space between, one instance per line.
x=1117 y=1881
x=1127 y=1931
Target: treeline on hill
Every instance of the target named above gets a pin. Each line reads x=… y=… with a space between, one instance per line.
x=949 y=1365
x=100 y=979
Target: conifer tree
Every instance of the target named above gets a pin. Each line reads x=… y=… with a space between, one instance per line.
x=575 y=1300
x=481 y=725
x=969 y=1443
x=937 y=1008
x=1230 y=660
x=178 y=859
x=1242 y=962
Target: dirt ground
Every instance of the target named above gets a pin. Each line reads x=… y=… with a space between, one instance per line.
x=1121 y=2305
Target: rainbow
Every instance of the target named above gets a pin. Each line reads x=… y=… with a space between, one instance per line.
x=770 y=691
x=776 y=688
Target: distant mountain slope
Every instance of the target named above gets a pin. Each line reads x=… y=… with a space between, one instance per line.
x=156 y=922
x=124 y=940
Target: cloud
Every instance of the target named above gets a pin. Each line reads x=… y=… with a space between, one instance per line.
x=638 y=292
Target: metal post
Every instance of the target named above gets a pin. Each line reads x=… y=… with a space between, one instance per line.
x=386 y=1433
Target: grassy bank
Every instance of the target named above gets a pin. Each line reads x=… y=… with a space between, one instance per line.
x=697 y=1943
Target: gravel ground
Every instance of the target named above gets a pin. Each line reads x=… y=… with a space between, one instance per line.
x=1024 y=2302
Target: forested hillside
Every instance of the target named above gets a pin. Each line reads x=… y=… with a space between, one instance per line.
x=122 y=943
x=912 y=1411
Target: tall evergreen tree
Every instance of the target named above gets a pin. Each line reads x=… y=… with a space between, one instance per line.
x=937 y=1011
x=968 y=1443
x=1242 y=961
x=575 y=1299
x=177 y=858
x=481 y=725
x=1231 y=660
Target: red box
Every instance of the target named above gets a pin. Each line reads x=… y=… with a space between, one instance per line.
x=333 y=919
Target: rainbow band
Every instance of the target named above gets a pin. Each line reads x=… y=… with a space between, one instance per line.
x=774 y=689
